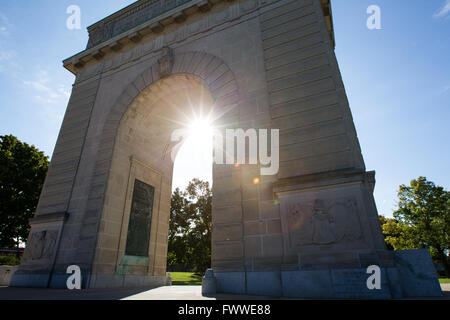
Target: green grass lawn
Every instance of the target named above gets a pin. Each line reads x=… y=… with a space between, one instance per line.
x=192 y=279
x=186 y=279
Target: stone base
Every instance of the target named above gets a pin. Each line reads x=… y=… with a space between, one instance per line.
x=127 y=281
x=209 y=287
x=412 y=276
x=6 y=273
x=417 y=273
x=96 y=281
x=29 y=279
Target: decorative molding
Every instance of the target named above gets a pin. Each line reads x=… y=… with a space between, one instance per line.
x=134 y=161
x=155 y=26
x=166 y=63
x=204 y=5
x=49 y=218
x=235 y=11
x=99 y=54
x=129 y=18
x=318 y=180
x=135 y=37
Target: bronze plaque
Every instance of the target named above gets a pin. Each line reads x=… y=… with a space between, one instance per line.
x=139 y=227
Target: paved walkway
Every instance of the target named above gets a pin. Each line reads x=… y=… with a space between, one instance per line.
x=162 y=293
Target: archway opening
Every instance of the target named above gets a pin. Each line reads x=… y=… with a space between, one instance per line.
x=169 y=122
x=189 y=242
x=194 y=157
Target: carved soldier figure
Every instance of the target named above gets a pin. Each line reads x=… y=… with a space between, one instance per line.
x=50 y=241
x=323 y=224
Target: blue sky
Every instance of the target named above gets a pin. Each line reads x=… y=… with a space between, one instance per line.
x=397 y=80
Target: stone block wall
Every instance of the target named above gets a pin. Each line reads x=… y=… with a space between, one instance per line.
x=266 y=64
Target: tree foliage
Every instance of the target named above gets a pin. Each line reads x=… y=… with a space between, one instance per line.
x=422 y=219
x=398 y=236
x=22 y=173
x=190 y=226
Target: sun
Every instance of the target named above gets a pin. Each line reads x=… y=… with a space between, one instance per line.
x=200 y=128
x=194 y=159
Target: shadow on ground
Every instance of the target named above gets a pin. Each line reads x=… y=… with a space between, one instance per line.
x=7 y=293
x=174 y=292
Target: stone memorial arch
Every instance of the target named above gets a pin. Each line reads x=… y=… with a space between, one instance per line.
x=310 y=230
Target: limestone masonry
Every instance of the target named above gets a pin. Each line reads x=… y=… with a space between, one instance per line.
x=309 y=231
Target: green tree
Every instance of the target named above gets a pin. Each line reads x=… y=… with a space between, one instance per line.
x=398 y=236
x=179 y=227
x=383 y=222
x=422 y=219
x=199 y=239
x=22 y=173
x=190 y=226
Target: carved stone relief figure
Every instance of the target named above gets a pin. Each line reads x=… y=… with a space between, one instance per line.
x=323 y=224
x=37 y=245
x=347 y=221
x=299 y=224
x=50 y=241
x=42 y=244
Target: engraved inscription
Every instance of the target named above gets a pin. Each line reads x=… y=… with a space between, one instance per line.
x=129 y=19
x=139 y=225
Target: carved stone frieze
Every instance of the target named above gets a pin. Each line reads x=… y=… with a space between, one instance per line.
x=233 y=12
x=42 y=244
x=322 y=222
x=136 y=15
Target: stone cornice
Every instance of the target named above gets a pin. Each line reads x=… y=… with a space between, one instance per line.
x=327 y=12
x=128 y=18
x=155 y=26
x=57 y=217
x=122 y=12
x=319 y=180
